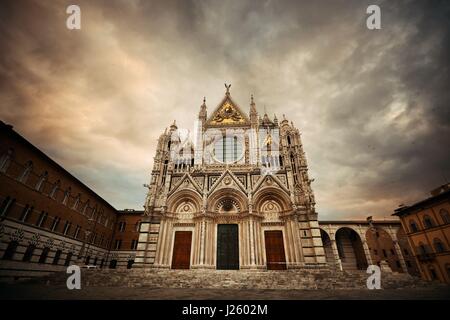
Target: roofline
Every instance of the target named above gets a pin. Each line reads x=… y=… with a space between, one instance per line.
x=130 y=211
x=10 y=129
x=359 y=221
x=422 y=204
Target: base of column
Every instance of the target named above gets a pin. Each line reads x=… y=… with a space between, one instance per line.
x=254 y=267
x=159 y=266
x=202 y=266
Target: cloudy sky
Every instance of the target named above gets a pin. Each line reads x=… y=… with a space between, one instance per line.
x=372 y=105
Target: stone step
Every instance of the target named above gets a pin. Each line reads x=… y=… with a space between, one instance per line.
x=243 y=279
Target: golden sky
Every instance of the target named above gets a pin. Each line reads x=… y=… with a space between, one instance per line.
x=372 y=105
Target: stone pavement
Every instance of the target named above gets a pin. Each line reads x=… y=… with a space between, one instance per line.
x=41 y=291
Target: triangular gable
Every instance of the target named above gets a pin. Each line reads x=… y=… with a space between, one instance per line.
x=234 y=181
x=186 y=182
x=227 y=113
x=272 y=178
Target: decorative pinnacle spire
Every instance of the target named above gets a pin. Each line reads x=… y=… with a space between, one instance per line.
x=174 y=125
x=251 y=100
x=227 y=86
x=204 y=100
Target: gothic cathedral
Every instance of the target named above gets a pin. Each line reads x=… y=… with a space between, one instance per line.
x=234 y=193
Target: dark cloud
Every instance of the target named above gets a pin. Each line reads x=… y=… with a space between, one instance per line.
x=373 y=106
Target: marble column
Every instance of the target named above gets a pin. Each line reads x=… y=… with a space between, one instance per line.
x=337 y=259
x=367 y=252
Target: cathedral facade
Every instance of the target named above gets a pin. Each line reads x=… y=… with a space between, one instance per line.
x=233 y=194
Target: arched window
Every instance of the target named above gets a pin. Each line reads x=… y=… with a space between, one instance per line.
x=445 y=216
x=26 y=172
x=10 y=250
x=41 y=181
x=130 y=264
x=77 y=201
x=26 y=213
x=422 y=248
x=428 y=222
x=6 y=206
x=86 y=206
x=413 y=226
x=163 y=180
x=55 y=189
x=42 y=219
x=66 y=196
x=294 y=169
x=433 y=274
x=289 y=140
x=5 y=160
x=438 y=245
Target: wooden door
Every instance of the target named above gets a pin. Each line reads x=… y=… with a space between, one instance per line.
x=276 y=259
x=181 y=258
x=227 y=247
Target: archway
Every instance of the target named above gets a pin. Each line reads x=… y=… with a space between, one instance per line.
x=381 y=247
x=327 y=246
x=350 y=249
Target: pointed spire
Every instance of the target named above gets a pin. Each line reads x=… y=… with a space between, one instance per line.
x=253 y=112
x=202 y=113
x=203 y=106
x=173 y=126
x=252 y=105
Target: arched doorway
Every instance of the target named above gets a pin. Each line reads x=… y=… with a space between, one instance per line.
x=350 y=249
x=382 y=248
x=327 y=247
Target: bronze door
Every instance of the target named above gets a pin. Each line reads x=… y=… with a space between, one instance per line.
x=181 y=258
x=227 y=247
x=276 y=259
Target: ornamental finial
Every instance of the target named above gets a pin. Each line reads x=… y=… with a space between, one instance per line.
x=227 y=86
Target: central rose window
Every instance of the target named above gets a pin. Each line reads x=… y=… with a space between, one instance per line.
x=229 y=149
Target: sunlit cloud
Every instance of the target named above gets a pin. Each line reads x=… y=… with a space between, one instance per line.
x=372 y=106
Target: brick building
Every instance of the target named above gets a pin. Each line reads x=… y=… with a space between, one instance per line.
x=50 y=219
x=427 y=225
